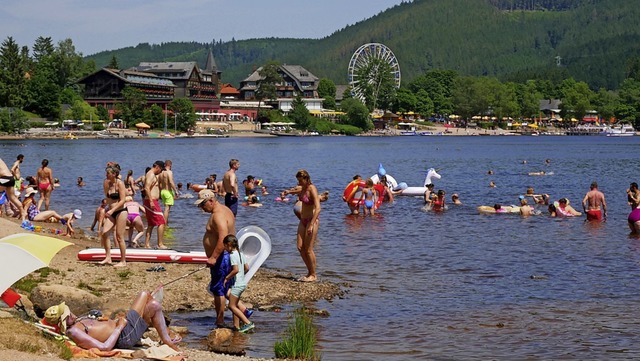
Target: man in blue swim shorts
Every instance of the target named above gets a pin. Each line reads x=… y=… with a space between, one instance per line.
x=221 y=223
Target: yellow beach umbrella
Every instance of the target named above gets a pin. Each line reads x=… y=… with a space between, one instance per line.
x=23 y=253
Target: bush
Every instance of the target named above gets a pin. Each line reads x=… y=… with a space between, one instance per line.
x=300 y=338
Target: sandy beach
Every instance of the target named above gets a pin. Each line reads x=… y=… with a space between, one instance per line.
x=117 y=287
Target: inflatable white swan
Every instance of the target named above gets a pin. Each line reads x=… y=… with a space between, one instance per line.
x=406 y=190
x=418 y=191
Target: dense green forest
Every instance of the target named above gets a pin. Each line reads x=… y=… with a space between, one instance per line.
x=513 y=40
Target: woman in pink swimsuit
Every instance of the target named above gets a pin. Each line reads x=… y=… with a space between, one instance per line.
x=309 y=223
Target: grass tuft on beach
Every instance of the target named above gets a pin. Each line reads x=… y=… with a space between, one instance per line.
x=300 y=338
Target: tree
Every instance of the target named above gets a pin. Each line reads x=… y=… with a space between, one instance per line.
x=113 y=64
x=12 y=120
x=327 y=90
x=405 y=101
x=438 y=85
x=42 y=49
x=155 y=116
x=69 y=64
x=299 y=113
x=376 y=84
x=184 y=114
x=12 y=75
x=267 y=85
x=629 y=109
x=424 y=104
x=131 y=109
x=576 y=99
x=357 y=114
x=102 y=113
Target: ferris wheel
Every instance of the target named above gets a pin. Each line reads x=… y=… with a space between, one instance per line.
x=367 y=56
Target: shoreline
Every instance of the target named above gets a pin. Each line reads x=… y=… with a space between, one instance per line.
x=269 y=289
x=244 y=130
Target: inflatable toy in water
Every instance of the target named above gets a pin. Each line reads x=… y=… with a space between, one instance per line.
x=391 y=182
x=353 y=192
x=418 y=191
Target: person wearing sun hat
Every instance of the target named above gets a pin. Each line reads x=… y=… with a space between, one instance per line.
x=106 y=334
x=56 y=316
x=68 y=220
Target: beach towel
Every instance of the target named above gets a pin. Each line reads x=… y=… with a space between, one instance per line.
x=163 y=352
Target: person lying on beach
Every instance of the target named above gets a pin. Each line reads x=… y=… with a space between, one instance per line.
x=106 y=334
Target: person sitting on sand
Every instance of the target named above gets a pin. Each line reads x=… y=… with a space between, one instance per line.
x=33 y=213
x=565 y=210
x=106 y=334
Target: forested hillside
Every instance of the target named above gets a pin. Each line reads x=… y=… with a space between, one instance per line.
x=589 y=40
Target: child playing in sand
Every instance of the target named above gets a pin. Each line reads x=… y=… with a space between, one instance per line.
x=68 y=220
x=238 y=269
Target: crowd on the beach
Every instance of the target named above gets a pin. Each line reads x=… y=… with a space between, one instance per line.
x=119 y=214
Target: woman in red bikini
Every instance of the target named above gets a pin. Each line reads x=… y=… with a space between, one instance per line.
x=45 y=184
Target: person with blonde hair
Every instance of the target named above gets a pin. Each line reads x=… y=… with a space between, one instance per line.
x=309 y=223
x=115 y=218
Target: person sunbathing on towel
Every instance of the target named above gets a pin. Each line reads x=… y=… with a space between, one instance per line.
x=106 y=334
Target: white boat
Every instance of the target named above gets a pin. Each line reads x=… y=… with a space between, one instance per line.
x=426 y=133
x=408 y=132
x=622 y=130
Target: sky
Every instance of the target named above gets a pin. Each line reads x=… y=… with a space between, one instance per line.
x=96 y=26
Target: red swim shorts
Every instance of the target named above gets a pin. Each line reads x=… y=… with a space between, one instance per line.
x=594 y=215
x=154 y=215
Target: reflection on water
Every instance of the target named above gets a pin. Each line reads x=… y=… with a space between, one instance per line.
x=424 y=285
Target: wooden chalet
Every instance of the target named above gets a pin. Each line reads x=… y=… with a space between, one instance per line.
x=104 y=87
x=296 y=80
x=200 y=86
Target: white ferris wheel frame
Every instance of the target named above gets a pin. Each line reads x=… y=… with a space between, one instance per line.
x=361 y=57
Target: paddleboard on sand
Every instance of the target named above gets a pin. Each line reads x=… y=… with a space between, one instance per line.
x=255 y=245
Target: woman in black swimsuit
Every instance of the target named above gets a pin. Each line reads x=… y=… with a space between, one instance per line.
x=116 y=215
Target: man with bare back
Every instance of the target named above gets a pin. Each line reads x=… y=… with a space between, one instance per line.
x=155 y=216
x=594 y=204
x=168 y=188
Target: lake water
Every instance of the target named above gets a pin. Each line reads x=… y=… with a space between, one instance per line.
x=450 y=285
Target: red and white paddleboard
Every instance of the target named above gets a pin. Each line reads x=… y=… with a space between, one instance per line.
x=144 y=255
x=255 y=245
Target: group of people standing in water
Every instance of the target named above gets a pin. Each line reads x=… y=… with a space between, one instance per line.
x=12 y=187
